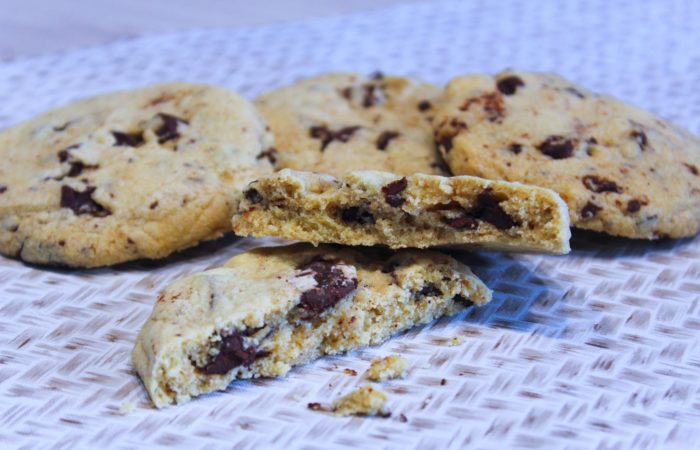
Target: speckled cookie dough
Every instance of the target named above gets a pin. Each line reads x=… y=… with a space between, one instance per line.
x=380 y=208
x=338 y=122
x=128 y=175
x=387 y=368
x=621 y=170
x=272 y=308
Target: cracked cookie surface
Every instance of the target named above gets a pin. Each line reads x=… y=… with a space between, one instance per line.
x=621 y=170
x=270 y=309
x=338 y=122
x=380 y=208
x=127 y=175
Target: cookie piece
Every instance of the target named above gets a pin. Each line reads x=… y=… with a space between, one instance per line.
x=127 y=175
x=371 y=208
x=365 y=401
x=338 y=122
x=621 y=170
x=387 y=368
x=272 y=308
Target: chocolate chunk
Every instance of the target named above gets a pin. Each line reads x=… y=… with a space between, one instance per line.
x=82 y=202
x=634 y=205
x=371 y=97
x=459 y=298
x=331 y=286
x=515 y=148
x=253 y=196
x=446 y=142
x=508 y=85
x=232 y=353
x=557 y=147
x=486 y=208
x=597 y=184
x=270 y=154
x=168 y=130
x=428 y=290
x=153 y=205
x=346 y=93
x=355 y=214
x=691 y=168
x=451 y=206
x=424 y=105
x=385 y=138
x=640 y=137
x=76 y=168
x=327 y=135
x=575 y=92
x=590 y=210
x=393 y=190
x=64 y=154
x=127 y=139
x=3 y=188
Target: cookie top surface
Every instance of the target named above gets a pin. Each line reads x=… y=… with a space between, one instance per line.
x=127 y=175
x=620 y=169
x=337 y=122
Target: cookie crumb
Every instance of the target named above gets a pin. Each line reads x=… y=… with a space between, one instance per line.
x=457 y=340
x=351 y=372
x=388 y=368
x=402 y=418
x=365 y=401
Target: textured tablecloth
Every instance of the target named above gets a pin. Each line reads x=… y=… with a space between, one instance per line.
x=599 y=349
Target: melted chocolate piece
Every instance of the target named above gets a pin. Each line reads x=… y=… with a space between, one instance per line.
x=486 y=208
x=424 y=105
x=331 y=286
x=64 y=154
x=590 y=210
x=640 y=137
x=385 y=138
x=122 y=139
x=270 y=154
x=446 y=142
x=253 y=196
x=515 y=148
x=168 y=130
x=634 y=205
x=393 y=190
x=371 y=97
x=557 y=147
x=232 y=353
x=428 y=290
x=598 y=184
x=508 y=85
x=463 y=222
x=356 y=214
x=326 y=135
x=82 y=202
x=691 y=168
x=492 y=103
x=459 y=298
x=346 y=93
x=3 y=188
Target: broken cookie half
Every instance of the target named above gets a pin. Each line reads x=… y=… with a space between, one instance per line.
x=272 y=308
x=380 y=208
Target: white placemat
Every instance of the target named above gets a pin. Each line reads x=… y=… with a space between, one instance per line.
x=599 y=349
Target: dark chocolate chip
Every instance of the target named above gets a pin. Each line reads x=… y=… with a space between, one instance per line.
x=270 y=154
x=515 y=148
x=127 y=139
x=168 y=130
x=232 y=353
x=590 y=210
x=62 y=243
x=492 y=103
x=253 y=196
x=509 y=85
x=82 y=202
x=691 y=168
x=486 y=208
x=640 y=137
x=346 y=93
x=451 y=206
x=393 y=190
x=424 y=105
x=459 y=298
x=463 y=223
x=3 y=188
x=76 y=168
x=331 y=286
x=575 y=92
x=327 y=135
x=356 y=214
x=371 y=97
x=634 y=205
x=62 y=127
x=598 y=184
x=557 y=147
x=385 y=138
x=446 y=142
x=64 y=154
x=428 y=290
x=153 y=205
x=344 y=134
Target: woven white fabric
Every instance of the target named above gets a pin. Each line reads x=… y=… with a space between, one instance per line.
x=599 y=349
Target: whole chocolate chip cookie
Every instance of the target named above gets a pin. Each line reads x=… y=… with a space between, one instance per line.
x=338 y=122
x=620 y=169
x=137 y=174
x=270 y=309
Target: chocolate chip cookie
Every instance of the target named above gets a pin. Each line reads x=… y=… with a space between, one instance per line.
x=380 y=208
x=272 y=308
x=621 y=170
x=137 y=174
x=338 y=122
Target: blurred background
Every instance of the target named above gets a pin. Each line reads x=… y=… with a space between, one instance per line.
x=35 y=27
